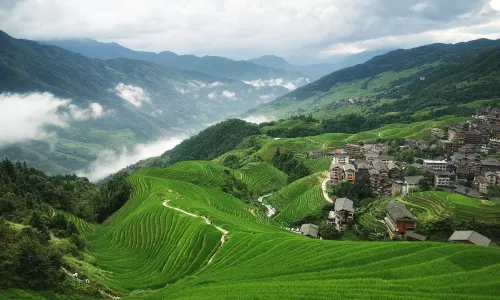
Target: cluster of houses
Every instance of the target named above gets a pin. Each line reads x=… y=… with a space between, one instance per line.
x=466 y=171
x=399 y=220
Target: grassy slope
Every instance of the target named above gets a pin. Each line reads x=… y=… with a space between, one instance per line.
x=145 y=247
x=433 y=204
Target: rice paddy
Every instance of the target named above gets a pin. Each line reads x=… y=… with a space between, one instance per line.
x=150 y=251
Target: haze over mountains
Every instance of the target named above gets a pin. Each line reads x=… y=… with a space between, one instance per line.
x=116 y=106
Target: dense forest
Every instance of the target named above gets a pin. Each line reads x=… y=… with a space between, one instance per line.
x=292 y=166
x=206 y=145
x=35 y=232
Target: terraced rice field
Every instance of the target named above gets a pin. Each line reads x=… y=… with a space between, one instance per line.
x=279 y=267
x=298 y=199
x=82 y=225
x=262 y=177
x=147 y=250
x=428 y=204
x=318 y=164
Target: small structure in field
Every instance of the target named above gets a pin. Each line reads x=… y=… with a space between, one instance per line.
x=309 y=230
x=412 y=236
x=469 y=237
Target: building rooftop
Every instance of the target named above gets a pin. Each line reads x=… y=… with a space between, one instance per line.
x=310 y=230
x=344 y=204
x=416 y=236
x=443 y=174
x=471 y=236
x=490 y=162
x=349 y=167
x=379 y=165
x=399 y=211
x=481 y=179
x=413 y=179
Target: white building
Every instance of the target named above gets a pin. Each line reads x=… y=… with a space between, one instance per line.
x=442 y=178
x=410 y=184
x=436 y=165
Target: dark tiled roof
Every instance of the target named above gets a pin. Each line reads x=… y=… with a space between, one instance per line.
x=398 y=211
x=344 y=204
x=471 y=236
x=416 y=236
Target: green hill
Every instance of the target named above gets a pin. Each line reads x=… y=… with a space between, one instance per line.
x=180 y=101
x=400 y=81
x=435 y=204
x=137 y=249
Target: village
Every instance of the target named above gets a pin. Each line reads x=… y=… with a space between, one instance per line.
x=463 y=165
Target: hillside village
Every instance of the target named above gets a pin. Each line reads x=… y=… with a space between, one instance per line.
x=457 y=160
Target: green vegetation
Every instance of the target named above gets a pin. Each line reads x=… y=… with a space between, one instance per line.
x=401 y=81
x=298 y=199
x=262 y=177
x=432 y=204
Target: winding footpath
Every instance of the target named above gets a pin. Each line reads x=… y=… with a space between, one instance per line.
x=105 y=294
x=271 y=211
x=315 y=142
x=207 y=221
x=325 y=192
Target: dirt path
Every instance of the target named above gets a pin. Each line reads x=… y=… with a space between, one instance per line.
x=271 y=211
x=207 y=221
x=314 y=142
x=105 y=294
x=325 y=192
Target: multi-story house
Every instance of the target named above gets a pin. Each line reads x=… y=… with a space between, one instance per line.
x=436 y=165
x=349 y=172
x=481 y=184
x=442 y=179
x=343 y=213
x=489 y=165
x=336 y=173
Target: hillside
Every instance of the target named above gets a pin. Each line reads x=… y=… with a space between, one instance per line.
x=213 y=65
x=435 y=75
x=141 y=101
x=238 y=255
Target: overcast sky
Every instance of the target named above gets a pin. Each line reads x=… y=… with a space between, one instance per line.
x=244 y=29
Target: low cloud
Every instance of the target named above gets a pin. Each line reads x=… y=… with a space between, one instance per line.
x=25 y=117
x=196 y=85
x=110 y=161
x=257 y=119
x=290 y=85
x=134 y=95
x=212 y=95
x=229 y=94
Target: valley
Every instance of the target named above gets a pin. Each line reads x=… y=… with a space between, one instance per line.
x=365 y=173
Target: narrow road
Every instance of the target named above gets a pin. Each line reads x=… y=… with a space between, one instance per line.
x=271 y=211
x=207 y=221
x=325 y=192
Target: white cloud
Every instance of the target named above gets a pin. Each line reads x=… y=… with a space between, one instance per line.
x=25 y=117
x=110 y=161
x=283 y=27
x=212 y=95
x=196 y=85
x=134 y=95
x=267 y=97
x=290 y=85
x=257 y=119
x=229 y=94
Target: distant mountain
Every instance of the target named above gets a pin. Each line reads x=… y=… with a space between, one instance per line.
x=318 y=70
x=175 y=100
x=408 y=80
x=212 y=65
x=272 y=61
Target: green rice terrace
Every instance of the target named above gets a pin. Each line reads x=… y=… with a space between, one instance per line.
x=428 y=204
x=180 y=238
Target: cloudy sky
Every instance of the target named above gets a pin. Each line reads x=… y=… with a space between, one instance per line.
x=242 y=29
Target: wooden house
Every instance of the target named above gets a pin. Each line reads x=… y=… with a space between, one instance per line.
x=399 y=219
